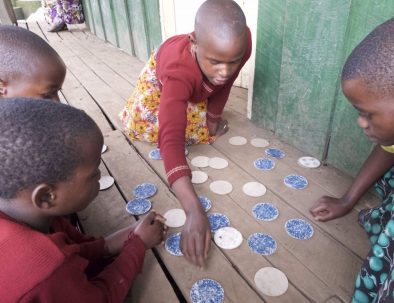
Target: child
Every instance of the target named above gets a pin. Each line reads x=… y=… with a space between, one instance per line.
x=368 y=83
x=50 y=161
x=179 y=99
x=29 y=67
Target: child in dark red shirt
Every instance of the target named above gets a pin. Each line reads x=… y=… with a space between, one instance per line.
x=50 y=154
x=179 y=99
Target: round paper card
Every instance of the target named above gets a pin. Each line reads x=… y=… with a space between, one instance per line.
x=175 y=217
x=138 y=206
x=264 y=164
x=228 y=237
x=200 y=161
x=217 y=220
x=218 y=163
x=271 y=281
x=259 y=142
x=275 y=153
x=199 y=177
x=104 y=148
x=299 y=229
x=265 y=212
x=172 y=244
x=308 y=162
x=221 y=187
x=144 y=190
x=296 y=181
x=207 y=291
x=106 y=182
x=155 y=154
x=254 y=189
x=262 y=244
x=205 y=203
x=237 y=140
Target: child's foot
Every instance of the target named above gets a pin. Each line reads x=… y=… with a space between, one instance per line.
x=57 y=27
x=222 y=127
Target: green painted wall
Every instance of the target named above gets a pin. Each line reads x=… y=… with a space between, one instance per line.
x=300 y=51
x=132 y=25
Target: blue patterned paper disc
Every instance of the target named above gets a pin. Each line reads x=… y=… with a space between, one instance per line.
x=207 y=291
x=262 y=244
x=217 y=221
x=144 y=190
x=173 y=244
x=205 y=203
x=275 y=153
x=155 y=154
x=264 y=164
x=296 y=181
x=299 y=229
x=265 y=212
x=138 y=206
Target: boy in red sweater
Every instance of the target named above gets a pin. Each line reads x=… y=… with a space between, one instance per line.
x=50 y=161
x=179 y=99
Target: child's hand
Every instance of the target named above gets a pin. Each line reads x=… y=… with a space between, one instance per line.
x=151 y=229
x=328 y=208
x=196 y=238
x=218 y=128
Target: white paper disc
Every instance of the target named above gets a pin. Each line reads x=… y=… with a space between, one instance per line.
x=175 y=217
x=106 y=182
x=254 y=189
x=221 y=187
x=104 y=148
x=199 y=177
x=228 y=237
x=259 y=142
x=237 y=140
x=218 y=163
x=271 y=281
x=200 y=161
x=309 y=162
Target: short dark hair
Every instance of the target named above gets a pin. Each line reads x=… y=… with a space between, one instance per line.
x=20 y=49
x=373 y=60
x=40 y=142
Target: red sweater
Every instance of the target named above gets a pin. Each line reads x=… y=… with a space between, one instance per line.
x=37 y=267
x=181 y=80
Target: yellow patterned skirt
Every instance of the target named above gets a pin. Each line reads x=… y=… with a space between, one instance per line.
x=140 y=115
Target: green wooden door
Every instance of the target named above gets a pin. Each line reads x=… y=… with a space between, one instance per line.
x=300 y=51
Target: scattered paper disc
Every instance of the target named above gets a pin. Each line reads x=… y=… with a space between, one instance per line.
x=275 y=152
x=259 y=142
x=265 y=211
x=218 y=163
x=138 y=206
x=205 y=203
x=262 y=244
x=155 y=154
x=237 y=140
x=217 y=220
x=308 y=162
x=299 y=229
x=172 y=244
x=199 y=177
x=104 y=148
x=175 y=217
x=145 y=190
x=200 y=161
x=221 y=187
x=295 y=181
x=207 y=291
x=106 y=182
x=271 y=281
x=254 y=189
x=228 y=237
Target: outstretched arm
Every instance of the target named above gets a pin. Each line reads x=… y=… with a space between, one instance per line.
x=328 y=208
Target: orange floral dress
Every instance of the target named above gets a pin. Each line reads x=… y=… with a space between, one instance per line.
x=140 y=115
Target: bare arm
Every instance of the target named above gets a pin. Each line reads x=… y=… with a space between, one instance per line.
x=196 y=234
x=328 y=208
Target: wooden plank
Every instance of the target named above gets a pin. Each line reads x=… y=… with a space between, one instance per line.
x=122 y=25
x=108 y=17
x=7 y=15
x=349 y=147
x=184 y=273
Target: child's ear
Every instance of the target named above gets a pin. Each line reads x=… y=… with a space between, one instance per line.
x=192 y=39
x=43 y=196
x=3 y=88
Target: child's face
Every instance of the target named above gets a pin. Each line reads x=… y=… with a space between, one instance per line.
x=44 y=82
x=218 y=61
x=77 y=193
x=376 y=113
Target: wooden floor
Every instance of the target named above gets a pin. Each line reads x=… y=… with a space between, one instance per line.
x=99 y=80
